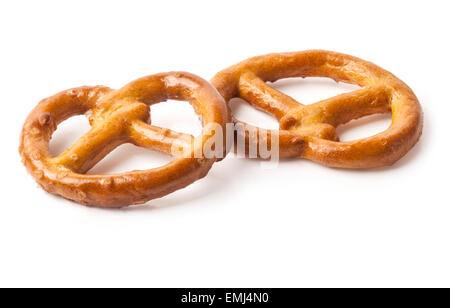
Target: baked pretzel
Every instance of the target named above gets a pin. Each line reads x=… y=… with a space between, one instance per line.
x=310 y=131
x=117 y=117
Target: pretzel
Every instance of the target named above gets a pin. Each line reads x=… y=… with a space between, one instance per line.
x=117 y=117
x=309 y=131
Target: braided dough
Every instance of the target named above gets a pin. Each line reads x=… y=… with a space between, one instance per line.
x=309 y=131
x=117 y=117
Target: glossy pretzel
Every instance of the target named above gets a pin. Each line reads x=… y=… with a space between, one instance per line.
x=309 y=131
x=117 y=117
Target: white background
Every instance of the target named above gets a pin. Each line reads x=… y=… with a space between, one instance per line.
x=299 y=225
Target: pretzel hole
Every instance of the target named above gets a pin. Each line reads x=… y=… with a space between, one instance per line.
x=364 y=127
x=67 y=133
x=312 y=89
x=176 y=115
x=244 y=112
x=128 y=157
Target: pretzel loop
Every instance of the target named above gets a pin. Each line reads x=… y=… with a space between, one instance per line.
x=117 y=117
x=310 y=131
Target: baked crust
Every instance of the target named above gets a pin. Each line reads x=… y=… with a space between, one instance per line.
x=117 y=117
x=309 y=131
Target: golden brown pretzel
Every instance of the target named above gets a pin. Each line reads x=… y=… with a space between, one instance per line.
x=309 y=131
x=117 y=117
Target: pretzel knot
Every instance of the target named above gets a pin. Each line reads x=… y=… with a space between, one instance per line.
x=310 y=131
x=117 y=117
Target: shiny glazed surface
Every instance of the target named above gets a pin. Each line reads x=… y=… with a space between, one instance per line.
x=117 y=117
x=310 y=131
